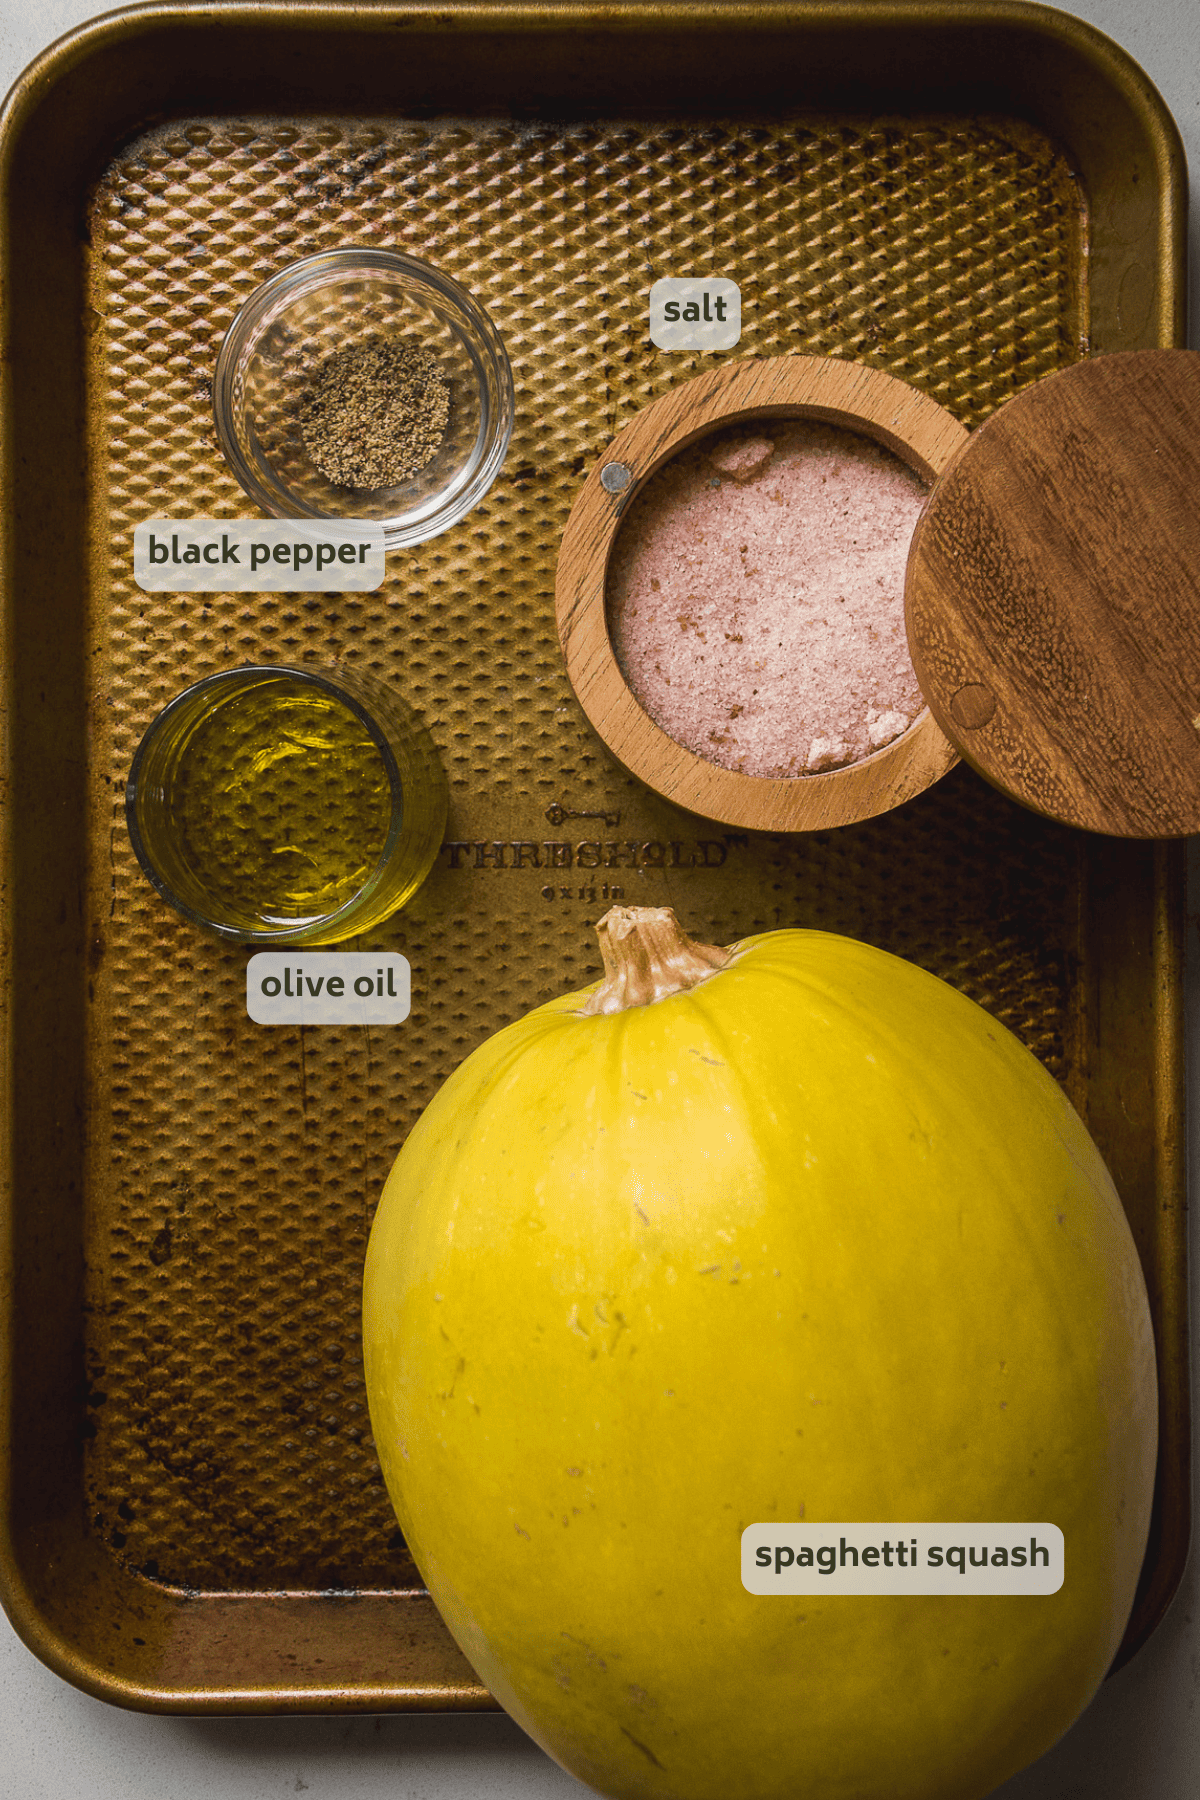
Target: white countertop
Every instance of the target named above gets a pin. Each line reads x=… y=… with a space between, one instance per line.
x=1140 y=1739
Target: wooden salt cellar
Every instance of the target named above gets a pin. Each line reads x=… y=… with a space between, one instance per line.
x=837 y=392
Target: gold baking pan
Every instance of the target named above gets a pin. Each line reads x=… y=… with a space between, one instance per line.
x=967 y=196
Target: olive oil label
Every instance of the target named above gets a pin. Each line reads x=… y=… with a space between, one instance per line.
x=695 y=313
x=903 y=1559
x=328 y=987
x=258 y=556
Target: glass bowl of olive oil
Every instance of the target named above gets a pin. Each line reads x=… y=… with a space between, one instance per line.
x=276 y=805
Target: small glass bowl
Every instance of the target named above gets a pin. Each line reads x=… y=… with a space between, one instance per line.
x=326 y=303
x=281 y=778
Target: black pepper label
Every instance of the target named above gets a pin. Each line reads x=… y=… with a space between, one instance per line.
x=258 y=556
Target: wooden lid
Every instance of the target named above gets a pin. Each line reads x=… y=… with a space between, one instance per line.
x=1053 y=596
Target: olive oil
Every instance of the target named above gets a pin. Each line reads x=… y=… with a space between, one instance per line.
x=275 y=805
x=281 y=805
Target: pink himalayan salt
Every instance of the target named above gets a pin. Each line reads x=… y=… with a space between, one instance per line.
x=756 y=598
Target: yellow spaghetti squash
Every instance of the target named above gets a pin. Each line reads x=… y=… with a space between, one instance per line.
x=787 y=1232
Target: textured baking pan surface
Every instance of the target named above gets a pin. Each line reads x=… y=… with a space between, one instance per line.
x=194 y=1512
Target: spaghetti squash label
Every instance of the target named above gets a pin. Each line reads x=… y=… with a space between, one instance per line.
x=902 y=1559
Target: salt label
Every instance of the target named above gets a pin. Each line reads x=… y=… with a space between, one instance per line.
x=695 y=313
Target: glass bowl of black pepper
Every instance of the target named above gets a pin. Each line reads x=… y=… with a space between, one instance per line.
x=364 y=384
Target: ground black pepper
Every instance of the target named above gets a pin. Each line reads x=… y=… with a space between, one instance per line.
x=375 y=413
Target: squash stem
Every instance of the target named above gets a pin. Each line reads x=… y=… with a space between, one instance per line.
x=648 y=956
